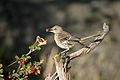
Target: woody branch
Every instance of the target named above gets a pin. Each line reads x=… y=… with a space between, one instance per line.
x=98 y=39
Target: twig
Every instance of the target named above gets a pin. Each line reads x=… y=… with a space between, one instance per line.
x=48 y=77
x=39 y=42
x=61 y=69
x=12 y=63
x=56 y=77
x=53 y=77
x=54 y=74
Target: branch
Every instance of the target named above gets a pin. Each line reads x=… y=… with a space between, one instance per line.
x=92 y=45
x=61 y=68
x=51 y=77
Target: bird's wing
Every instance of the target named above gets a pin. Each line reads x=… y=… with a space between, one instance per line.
x=64 y=37
x=67 y=38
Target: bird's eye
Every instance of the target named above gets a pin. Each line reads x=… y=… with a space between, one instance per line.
x=55 y=29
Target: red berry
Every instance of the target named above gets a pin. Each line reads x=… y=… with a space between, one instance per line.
x=29 y=72
x=36 y=73
x=22 y=61
x=9 y=76
x=46 y=30
x=33 y=69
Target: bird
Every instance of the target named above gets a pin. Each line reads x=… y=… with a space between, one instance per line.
x=64 y=39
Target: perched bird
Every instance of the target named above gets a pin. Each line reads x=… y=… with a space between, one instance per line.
x=64 y=39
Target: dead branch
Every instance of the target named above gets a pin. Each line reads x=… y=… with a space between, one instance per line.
x=92 y=45
x=61 y=69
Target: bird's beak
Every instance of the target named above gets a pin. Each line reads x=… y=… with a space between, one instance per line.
x=50 y=30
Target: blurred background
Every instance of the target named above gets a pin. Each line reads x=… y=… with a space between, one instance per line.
x=22 y=20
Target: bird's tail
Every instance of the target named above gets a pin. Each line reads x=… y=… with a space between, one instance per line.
x=82 y=43
x=82 y=40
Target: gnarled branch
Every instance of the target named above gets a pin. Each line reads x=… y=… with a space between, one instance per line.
x=93 y=44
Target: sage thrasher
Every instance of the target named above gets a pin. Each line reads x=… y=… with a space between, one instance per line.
x=64 y=39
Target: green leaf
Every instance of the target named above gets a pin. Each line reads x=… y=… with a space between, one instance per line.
x=32 y=46
x=38 y=48
x=1 y=76
x=26 y=77
x=23 y=55
x=28 y=57
x=21 y=79
x=2 y=79
x=1 y=65
x=20 y=72
x=15 y=75
x=1 y=70
x=13 y=71
x=38 y=71
x=16 y=57
x=41 y=61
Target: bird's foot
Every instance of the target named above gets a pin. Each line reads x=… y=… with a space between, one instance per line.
x=63 y=55
x=64 y=52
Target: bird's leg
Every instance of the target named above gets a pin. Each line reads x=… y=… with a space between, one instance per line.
x=63 y=53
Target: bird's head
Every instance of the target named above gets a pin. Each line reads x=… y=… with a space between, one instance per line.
x=55 y=29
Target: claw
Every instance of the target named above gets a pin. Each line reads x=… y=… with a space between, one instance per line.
x=64 y=51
